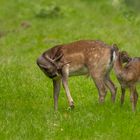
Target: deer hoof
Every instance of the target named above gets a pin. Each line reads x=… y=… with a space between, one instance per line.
x=72 y=105
x=113 y=99
x=101 y=100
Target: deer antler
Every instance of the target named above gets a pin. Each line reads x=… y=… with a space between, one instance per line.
x=49 y=59
x=58 y=57
x=53 y=61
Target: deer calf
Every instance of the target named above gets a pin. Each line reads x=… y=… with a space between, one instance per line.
x=128 y=75
x=83 y=57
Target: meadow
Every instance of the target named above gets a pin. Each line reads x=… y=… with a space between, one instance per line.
x=27 y=28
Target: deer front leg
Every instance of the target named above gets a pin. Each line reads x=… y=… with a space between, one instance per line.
x=133 y=97
x=136 y=97
x=122 y=95
x=65 y=74
x=56 y=90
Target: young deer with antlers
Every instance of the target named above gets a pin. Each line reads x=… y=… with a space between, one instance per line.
x=79 y=58
x=127 y=75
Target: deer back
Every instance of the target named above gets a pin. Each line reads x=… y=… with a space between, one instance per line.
x=82 y=56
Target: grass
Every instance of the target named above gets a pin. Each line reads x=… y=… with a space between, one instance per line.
x=26 y=103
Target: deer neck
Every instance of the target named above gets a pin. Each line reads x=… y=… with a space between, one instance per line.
x=118 y=66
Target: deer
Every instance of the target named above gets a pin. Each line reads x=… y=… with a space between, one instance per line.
x=128 y=75
x=83 y=57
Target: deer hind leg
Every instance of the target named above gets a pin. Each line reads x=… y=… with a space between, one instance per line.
x=111 y=87
x=133 y=97
x=122 y=95
x=56 y=90
x=99 y=82
x=65 y=75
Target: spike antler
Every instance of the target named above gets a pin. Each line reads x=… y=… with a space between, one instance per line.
x=49 y=59
x=58 y=57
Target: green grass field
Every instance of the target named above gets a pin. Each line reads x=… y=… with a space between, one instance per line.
x=27 y=28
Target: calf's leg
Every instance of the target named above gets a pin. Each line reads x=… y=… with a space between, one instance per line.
x=122 y=95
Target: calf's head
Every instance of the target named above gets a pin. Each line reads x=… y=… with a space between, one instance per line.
x=125 y=58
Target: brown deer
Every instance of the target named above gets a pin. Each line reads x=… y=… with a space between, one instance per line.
x=127 y=75
x=83 y=57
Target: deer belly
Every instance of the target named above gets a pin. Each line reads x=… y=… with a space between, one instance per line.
x=77 y=70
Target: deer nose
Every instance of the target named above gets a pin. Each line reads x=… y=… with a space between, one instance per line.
x=40 y=60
